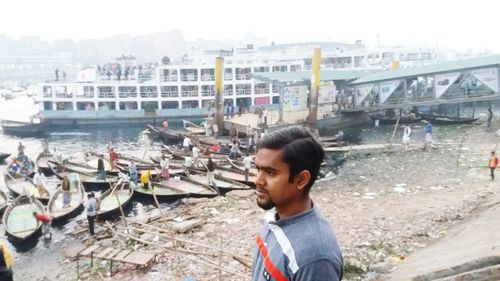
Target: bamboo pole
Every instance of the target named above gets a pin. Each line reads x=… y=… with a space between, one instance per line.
x=220 y=258
x=227 y=253
x=191 y=258
x=113 y=233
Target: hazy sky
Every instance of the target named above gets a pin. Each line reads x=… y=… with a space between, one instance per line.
x=458 y=25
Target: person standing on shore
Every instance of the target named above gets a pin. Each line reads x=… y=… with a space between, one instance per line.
x=288 y=247
x=488 y=120
x=428 y=134
x=493 y=164
x=91 y=209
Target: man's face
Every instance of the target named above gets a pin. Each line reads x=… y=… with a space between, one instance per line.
x=273 y=188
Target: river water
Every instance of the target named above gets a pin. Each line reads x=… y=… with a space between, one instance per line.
x=33 y=256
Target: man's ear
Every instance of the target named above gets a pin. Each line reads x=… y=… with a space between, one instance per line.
x=302 y=179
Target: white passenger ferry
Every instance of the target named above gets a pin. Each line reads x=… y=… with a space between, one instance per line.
x=129 y=92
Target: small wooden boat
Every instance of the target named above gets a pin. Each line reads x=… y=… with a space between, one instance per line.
x=92 y=163
x=42 y=163
x=113 y=198
x=236 y=175
x=167 y=135
x=176 y=188
x=181 y=155
x=18 y=186
x=238 y=165
x=89 y=180
x=221 y=183
x=384 y=120
x=3 y=156
x=23 y=129
x=447 y=120
x=18 y=218
x=4 y=200
x=22 y=167
x=192 y=127
x=55 y=206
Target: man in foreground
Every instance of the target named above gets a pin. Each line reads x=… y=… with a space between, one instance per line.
x=296 y=242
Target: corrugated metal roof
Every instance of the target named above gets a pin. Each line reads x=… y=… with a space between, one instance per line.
x=430 y=69
x=326 y=75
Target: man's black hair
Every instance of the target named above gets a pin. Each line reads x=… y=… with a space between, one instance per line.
x=301 y=151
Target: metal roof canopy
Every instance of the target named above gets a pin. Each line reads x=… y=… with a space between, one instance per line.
x=300 y=76
x=450 y=66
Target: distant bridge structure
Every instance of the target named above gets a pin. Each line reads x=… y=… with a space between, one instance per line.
x=453 y=82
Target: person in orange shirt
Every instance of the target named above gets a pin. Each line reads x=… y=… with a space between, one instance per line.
x=493 y=164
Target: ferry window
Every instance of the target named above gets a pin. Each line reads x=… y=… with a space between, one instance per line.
x=208 y=74
x=149 y=92
x=127 y=92
x=244 y=102
x=169 y=91
x=169 y=104
x=208 y=90
x=228 y=90
x=85 y=106
x=261 y=69
x=190 y=104
x=228 y=74
x=189 y=74
x=47 y=91
x=88 y=91
x=276 y=100
x=64 y=106
x=149 y=106
x=207 y=103
x=128 y=105
x=243 y=89
x=107 y=105
x=228 y=101
x=47 y=105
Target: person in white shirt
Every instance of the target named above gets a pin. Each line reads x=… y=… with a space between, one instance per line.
x=196 y=153
x=186 y=144
x=247 y=163
x=165 y=165
x=91 y=210
x=40 y=183
x=188 y=162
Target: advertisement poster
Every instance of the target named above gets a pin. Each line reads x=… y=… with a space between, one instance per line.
x=444 y=81
x=387 y=88
x=295 y=98
x=326 y=94
x=488 y=77
x=361 y=93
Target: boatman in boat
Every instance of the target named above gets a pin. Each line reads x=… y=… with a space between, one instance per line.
x=101 y=173
x=66 y=191
x=46 y=221
x=6 y=262
x=132 y=171
x=40 y=183
x=20 y=151
x=186 y=144
x=288 y=246
x=113 y=158
x=165 y=165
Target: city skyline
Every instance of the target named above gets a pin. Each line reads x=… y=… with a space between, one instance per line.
x=388 y=22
